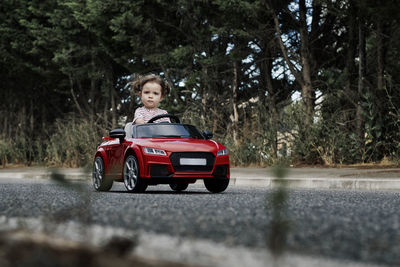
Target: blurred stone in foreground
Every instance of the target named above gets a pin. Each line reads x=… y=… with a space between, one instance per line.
x=23 y=248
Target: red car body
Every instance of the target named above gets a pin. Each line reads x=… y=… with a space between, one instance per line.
x=149 y=160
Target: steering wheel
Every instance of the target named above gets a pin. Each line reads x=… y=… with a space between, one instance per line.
x=167 y=115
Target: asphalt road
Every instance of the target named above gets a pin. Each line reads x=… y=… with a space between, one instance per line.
x=356 y=225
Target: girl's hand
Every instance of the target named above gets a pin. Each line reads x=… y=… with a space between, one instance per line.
x=140 y=121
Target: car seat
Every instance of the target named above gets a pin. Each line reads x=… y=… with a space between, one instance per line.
x=128 y=130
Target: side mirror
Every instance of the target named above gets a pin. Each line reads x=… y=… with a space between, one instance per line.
x=118 y=133
x=207 y=134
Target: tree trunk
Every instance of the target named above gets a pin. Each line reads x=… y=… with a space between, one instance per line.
x=5 y=127
x=351 y=51
x=308 y=93
x=113 y=95
x=273 y=111
x=303 y=78
x=235 y=114
x=71 y=84
x=105 y=114
x=22 y=119
x=92 y=90
x=361 y=79
x=380 y=54
x=204 y=97
x=31 y=133
x=43 y=117
x=113 y=108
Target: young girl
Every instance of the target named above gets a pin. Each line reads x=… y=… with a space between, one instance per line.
x=151 y=89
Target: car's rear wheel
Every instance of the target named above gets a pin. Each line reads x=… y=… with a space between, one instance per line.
x=100 y=182
x=132 y=181
x=179 y=187
x=216 y=185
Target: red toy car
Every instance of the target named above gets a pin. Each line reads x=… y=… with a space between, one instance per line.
x=160 y=153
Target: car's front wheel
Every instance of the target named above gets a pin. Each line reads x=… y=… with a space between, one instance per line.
x=100 y=182
x=216 y=185
x=179 y=187
x=131 y=176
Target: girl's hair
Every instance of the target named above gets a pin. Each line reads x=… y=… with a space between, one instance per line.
x=138 y=84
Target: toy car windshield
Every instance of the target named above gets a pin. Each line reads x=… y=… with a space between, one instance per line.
x=167 y=130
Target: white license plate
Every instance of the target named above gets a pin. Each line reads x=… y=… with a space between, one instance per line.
x=187 y=161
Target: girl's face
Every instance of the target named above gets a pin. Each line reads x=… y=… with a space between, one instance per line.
x=151 y=95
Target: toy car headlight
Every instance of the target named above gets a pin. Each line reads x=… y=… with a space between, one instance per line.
x=222 y=152
x=154 y=151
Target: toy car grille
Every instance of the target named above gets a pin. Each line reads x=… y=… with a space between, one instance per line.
x=192 y=161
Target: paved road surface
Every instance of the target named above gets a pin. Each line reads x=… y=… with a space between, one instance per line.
x=356 y=225
x=364 y=178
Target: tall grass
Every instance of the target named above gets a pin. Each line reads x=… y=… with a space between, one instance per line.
x=73 y=142
x=327 y=141
x=6 y=151
x=19 y=150
x=69 y=142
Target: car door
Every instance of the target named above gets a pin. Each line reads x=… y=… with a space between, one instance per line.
x=115 y=155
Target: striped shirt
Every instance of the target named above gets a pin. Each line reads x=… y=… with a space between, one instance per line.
x=147 y=114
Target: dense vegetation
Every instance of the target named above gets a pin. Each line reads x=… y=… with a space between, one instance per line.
x=314 y=81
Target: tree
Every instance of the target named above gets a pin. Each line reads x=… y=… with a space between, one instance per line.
x=233 y=66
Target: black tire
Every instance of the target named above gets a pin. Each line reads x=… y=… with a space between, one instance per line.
x=132 y=180
x=216 y=185
x=100 y=181
x=179 y=187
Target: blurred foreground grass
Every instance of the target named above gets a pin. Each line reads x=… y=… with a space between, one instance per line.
x=280 y=223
